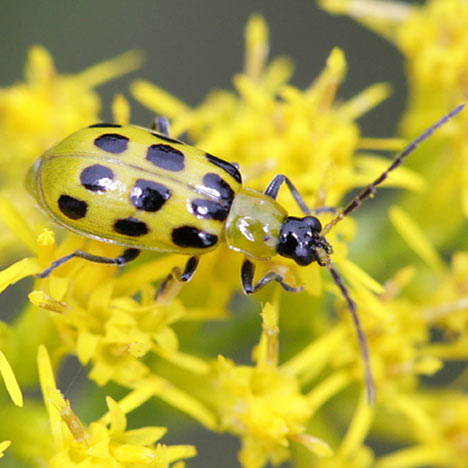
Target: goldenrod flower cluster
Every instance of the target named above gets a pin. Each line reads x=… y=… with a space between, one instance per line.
x=301 y=398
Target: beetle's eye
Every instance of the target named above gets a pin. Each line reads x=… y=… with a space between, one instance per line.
x=313 y=222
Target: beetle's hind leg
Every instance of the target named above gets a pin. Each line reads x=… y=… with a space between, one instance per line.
x=127 y=256
x=161 y=125
x=171 y=285
x=247 y=278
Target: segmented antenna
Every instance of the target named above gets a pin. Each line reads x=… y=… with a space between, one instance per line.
x=371 y=188
x=370 y=385
x=352 y=205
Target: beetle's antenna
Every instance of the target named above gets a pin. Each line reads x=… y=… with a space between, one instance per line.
x=370 y=385
x=371 y=188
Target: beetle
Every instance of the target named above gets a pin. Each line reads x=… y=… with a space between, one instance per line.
x=142 y=189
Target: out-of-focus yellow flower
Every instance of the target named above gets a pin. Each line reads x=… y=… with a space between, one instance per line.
x=438 y=426
x=432 y=38
x=106 y=443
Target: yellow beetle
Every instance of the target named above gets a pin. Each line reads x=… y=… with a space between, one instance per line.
x=142 y=189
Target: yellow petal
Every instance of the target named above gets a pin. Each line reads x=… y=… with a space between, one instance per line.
x=358 y=275
x=112 y=68
x=188 y=362
x=118 y=419
x=18 y=271
x=10 y=381
x=415 y=238
x=47 y=382
x=121 y=110
x=364 y=102
x=3 y=446
x=158 y=100
x=68 y=416
x=17 y=224
x=315 y=445
x=267 y=353
x=42 y=300
x=86 y=345
x=175 y=452
x=328 y=388
x=184 y=401
x=132 y=400
x=310 y=361
x=256 y=46
x=144 y=435
x=130 y=455
x=358 y=429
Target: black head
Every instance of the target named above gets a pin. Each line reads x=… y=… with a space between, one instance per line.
x=300 y=238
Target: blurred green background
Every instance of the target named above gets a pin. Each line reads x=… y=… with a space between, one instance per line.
x=192 y=47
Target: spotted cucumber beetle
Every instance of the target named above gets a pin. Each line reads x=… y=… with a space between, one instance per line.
x=141 y=189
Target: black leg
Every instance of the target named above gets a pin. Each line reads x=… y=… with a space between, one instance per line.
x=247 y=278
x=127 y=256
x=176 y=276
x=161 y=125
x=274 y=186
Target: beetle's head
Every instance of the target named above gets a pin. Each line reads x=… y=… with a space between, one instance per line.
x=300 y=240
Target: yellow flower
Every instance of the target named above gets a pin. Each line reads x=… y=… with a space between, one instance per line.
x=107 y=442
x=438 y=426
x=262 y=404
x=433 y=39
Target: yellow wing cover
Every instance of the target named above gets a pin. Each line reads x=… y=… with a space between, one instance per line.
x=134 y=187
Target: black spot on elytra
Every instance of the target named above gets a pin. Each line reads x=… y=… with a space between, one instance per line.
x=131 y=227
x=96 y=178
x=207 y=209
x=228 y=167
x=166 y=138
x=166 y=157
x=105 y=125
x=188 y=236
x=147 y=195
x=112 y=143
x=72 y=207
x=219 y=188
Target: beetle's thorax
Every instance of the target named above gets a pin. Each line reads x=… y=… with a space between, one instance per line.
x=254 y=224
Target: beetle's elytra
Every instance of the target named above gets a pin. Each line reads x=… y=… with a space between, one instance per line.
x=142 y=189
